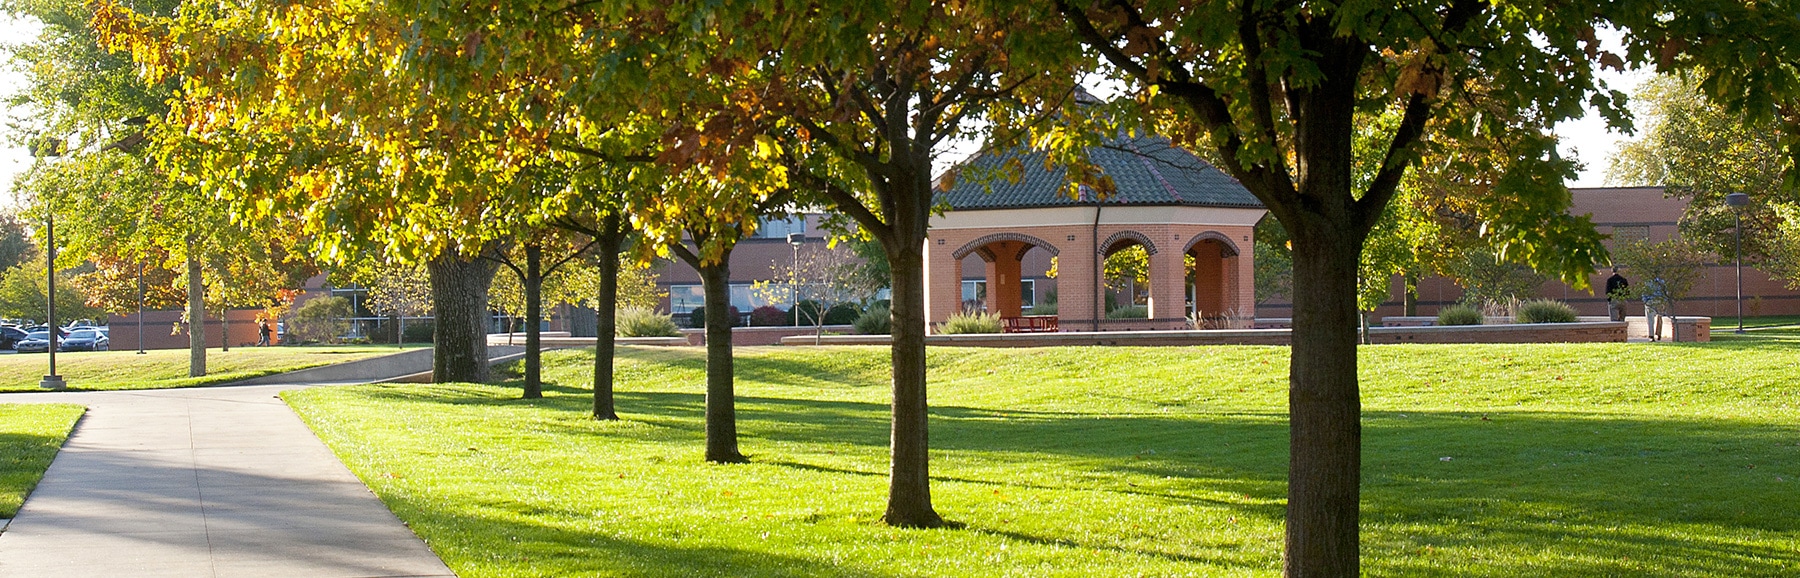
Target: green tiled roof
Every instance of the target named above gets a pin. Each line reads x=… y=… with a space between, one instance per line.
x=1148 y=170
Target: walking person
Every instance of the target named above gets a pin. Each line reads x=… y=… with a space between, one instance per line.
x=262 y=333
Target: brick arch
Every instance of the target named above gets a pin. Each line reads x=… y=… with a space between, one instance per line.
x=1230 y=248
x=1122 y=236
x=981 y=244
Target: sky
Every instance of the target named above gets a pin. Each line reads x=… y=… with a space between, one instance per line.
x=1587 y=140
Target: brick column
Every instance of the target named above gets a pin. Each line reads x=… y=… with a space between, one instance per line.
x=1168 y=285
x=943 y=278
x=1003 y=292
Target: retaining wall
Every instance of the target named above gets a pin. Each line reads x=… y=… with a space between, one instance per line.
x=1589 y=332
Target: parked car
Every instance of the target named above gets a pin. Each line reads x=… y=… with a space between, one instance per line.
x=11 y=336
x=84 y=339
x=35 y=342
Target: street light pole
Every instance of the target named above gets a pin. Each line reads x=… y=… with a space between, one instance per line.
x=50 y=148
x=796 y=239
x=140 y=315
x=1737 y=202
x=52 y=381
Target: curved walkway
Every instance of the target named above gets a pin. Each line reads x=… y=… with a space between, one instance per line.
x=215 y=481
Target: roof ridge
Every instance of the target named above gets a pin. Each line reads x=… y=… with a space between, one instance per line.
x=1132 y=143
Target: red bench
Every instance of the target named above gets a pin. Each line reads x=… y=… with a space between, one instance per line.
x=1029 y=324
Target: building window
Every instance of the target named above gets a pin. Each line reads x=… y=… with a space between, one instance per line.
x=974 y=296
x=1629 y=233
x=1027 y=293
x=684 y=299
x=768 y=228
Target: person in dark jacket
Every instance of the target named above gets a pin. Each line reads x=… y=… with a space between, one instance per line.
x=1616 y=288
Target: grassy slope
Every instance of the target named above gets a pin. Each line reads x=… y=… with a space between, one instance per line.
x=165 y=368
x=1567 y=460
x=30 y=435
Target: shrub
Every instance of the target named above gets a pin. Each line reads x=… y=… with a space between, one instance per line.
x=804 y=313
x=320 y=320
x=417 y=331
x=843 y=314
x=1129 y=312
x=1546 y=311
x=697 y=319
x=1047 y=308
x=421 y=331
x=635 y=322
x=769 y=316
x=876 y=321
x=970 y=323
x=1459 y=315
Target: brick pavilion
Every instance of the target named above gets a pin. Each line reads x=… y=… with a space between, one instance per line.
x=1168 y=201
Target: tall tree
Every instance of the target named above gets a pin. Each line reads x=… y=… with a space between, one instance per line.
x=527 y=263
x=1702 y=152
x=862 y=97
x=1278 y=90
x=115 y=203
x=408 y=166
x=715 y=213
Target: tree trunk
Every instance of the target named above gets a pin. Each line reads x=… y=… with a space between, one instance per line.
x=909 y=475
x=459 y=289
x=721 y=410
x=196 y=294
x=1409 y=299
x=1324 y=407
x=534 y=317
x=606 y=315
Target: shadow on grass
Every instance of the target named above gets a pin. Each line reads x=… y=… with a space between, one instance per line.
x=544 y=548
x=1588 y=494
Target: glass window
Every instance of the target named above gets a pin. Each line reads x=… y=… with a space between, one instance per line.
x=1628 y=233
x=684 y=298
x=974 y=296
x=1027 y=293
x=768 y=228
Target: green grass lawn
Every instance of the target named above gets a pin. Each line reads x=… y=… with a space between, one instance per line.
x=165 y=368
x=30 y=434
x=1499 y=460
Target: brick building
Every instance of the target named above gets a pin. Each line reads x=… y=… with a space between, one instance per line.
x=991 y=249
x=1624 y=213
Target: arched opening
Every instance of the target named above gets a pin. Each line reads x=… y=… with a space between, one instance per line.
x=1010 y=275
x=1126 y=275
x=1211 y=260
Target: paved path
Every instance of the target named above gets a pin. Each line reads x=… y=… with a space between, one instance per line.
x=219 y=481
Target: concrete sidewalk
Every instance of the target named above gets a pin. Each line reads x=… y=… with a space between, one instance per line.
x=218 y=481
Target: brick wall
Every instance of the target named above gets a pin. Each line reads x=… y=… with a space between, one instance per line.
x=164 y=330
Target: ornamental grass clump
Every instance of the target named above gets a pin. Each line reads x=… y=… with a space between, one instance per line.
x=970 y=323
x=1546 y=311
x=634 y=322
x=877 y=321
x=1459 y=315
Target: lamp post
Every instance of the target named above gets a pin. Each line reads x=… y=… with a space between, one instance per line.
x=1737 y=202
x=139 y=122
x=795 y=239
x=50 y=148
x=140 y=315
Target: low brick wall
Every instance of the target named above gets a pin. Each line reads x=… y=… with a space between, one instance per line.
x=1684 y=329
x=1594 y=332
x=1424 y=321
x=762 y=335
x=1582 y=332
